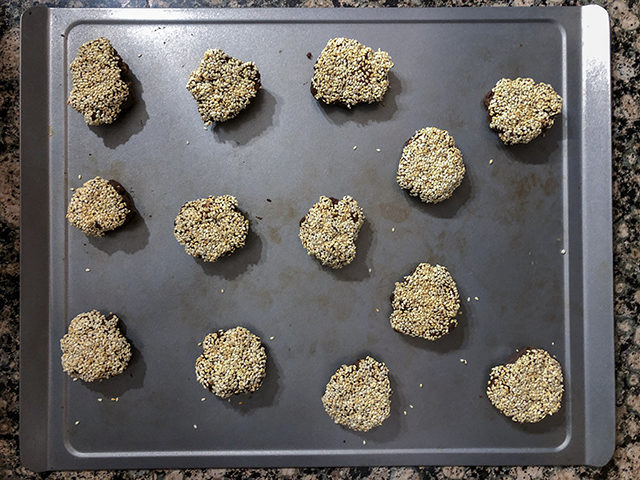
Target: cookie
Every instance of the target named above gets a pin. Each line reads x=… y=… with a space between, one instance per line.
x=349 y=73
x=528 y=388
x=425 y=303
x=330 y=229
x=101 y=89
x=233 y=362
x=100 y=206
x=359 y=396
x=431 y=165
x=212 y=227
x=223 y=86
x=94 y=348
x=520 y=110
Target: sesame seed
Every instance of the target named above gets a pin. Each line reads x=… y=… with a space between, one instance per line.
x=563 y=251
x=202 y=399
x=410 y=406
x=462 y=360
x=393 y=229
x=187 y=142
x=222 y=290
x=468 y=299
x=377 y=310
x=99 y=399
x=426 y=303
x=404 y=412
x=420 y=385
x=369 y=270
x=72 y=189
x=79 y=177
x=364 y=442
x=77 y=422
x=491 y=162
x=87 y=269
x=139 y=55
x=240 y=403
x=195 y=426
x=349 y=73
x=330 y=228
x=355 y=147
x=377 y=149
x=271 y=338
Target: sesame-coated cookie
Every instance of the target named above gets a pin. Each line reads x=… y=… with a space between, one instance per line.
x=99 y=206
x=94 y=348
x=209 y=228
x=349 y=73
x=233 y=362
x=100 y=88
x=520 y=109
x=426 y=303
x=431 y=165
x=359 y=396
x=223 y=86
x=330 y=229
x=528 y=388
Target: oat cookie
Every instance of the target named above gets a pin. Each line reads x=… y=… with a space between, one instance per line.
x=101 y=89
x=99 y=206
x=94 y=348
x=528 y=388
x=431 y=165
x=520 y=109
x=330 y=229
x=223 y=86
x=426 y=303
x=209 y=228
x=349 y=73
x=359 y=396
x=233 y=362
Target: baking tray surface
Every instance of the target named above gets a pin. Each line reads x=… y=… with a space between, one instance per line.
x=501 y=237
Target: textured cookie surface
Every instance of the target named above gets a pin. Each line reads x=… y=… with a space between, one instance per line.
x=233 y=362
x=359 y=396
x=209 y=228
x=426 y=303
x=431 y=165
x=223 y=86
x=521 y=109
x=99 y=206
x=529 y=388
x=330 y=229
x=100 y=89
x=94 y=348
x=348 y=73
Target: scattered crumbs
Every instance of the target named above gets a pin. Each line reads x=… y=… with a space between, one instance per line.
x=87 y=269
x=195 y=426
x=115 y=399
x=269 y=200
x=99 y=399
x=377 y=149
x=404 y=412
x=410 y=406
x=202 y=399
x=309 y=55
x=355 y=147
x=139 y=55
x=476 y=298
x=271 y=338
x=79 y=177
x=491 y=161
x=462 y=360
x=393 y=229
x=420 y=385
x=259 y=218
x=187 y=142
x=77 y=422
x=563 y=251
x=377 y=310
x=222 y=290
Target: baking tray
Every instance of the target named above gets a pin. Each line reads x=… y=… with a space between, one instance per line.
x=501 y=236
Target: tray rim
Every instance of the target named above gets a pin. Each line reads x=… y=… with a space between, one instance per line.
x=596 y=219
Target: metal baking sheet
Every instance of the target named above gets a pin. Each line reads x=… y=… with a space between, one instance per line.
x=501 y=236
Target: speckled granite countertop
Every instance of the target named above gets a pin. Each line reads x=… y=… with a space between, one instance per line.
x=626 y=189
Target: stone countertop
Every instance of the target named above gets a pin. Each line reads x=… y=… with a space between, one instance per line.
x=625 y=56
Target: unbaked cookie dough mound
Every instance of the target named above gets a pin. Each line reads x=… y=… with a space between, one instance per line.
x=233 y=362
x=426 y=303
x=330 y=229
x=223 y=86
x=212 y=227
x=94 y=348
x=359 y=396
x=349 y=73
x=529 y=388
x=99 y=206
x=431 y=165
x=100 y=88
x=520 y=109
